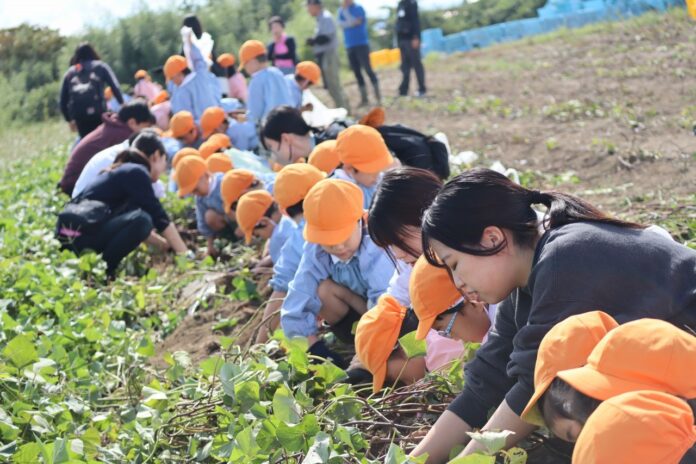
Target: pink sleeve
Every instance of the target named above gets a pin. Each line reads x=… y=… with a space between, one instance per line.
x=441 y=351
x=161 y=113
x=238 y=87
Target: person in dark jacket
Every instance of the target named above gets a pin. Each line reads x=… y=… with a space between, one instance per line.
x=126 y=188
x=82 y=99
x=408 y=35
x=282 y=51
x=115 y=128
x=483 y=228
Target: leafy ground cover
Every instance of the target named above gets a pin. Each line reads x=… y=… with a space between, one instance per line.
x=158 y=365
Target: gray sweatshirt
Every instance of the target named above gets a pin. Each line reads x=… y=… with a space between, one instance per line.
x=325 y=27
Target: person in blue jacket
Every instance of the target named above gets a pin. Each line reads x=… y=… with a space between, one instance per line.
x=194 y=89
x=342 y=272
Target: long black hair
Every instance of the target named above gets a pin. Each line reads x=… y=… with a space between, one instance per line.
x=284 y=119
x=148 y=142
x=130 y=155
x=84 y=52
x=399 y=202
x=194 y=23
x=480 y=198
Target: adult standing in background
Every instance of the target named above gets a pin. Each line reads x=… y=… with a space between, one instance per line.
x=325 y=46
x=82 y=99
x=282 y=51
x=353 y=21
x=408 y=35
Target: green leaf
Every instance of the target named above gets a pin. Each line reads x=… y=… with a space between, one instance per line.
x=140 y=299
x=146 y=348
x=27 y=454
x=20 y=351
x=474 y=459
x=248 y=394
x=285 y=407
x=395 y=455
x=246 y=442
x=318 y=453
x=227 y=372
x=212 y=365
x=412 y=347
x=515 y=456
x=494 y=441
x=291 y=436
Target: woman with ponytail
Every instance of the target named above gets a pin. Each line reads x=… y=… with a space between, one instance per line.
x=484 y=229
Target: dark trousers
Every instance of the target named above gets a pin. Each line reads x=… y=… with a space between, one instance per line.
x=410 y=58
x=87 y=124
x=116 y=238
x=359 y=58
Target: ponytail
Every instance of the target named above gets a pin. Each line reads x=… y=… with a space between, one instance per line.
x=480 y=198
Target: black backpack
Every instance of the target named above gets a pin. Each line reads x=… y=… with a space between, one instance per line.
x=86 y=92
x=415 y=149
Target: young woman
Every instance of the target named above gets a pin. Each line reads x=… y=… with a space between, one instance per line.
x=282 y=51
x=286 y=134
x=126 y=187
x=483 y=228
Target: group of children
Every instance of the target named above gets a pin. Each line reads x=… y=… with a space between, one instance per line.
x=369 y=250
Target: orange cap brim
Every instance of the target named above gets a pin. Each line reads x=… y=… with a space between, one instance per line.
x=539 y=390
x=319 y=236
x=600 y=386
x=378 y=377
x=248 y=236
x=186 y=190
x=424 y=326
x=374 y=166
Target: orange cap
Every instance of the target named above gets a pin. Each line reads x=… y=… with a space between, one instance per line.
x=174 y=65
x=211 y=119
x=208 y=148
x=309 y=70
x=226 y=60
x=188 y=173
x=250 y=50
x=567 y=346
x=374 y=118
x=363 y=148
x=250 y=209
x=645 y=427
x=293 y=182
x=332 y=209
x=234 y=183
x=181 y=154
x=376 y=335
x=161 y=97
x=219 y=162
x=108 y=93
x=181 y=124
x=432 y=293
x=140 y=73
x=646 y=354
x=325 y=157
x=223 y=140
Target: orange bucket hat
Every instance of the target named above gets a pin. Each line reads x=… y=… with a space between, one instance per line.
x=140 y=73
x=647 y=354
x=645 y=427
x=219 y=162
x=208 y=148
x=226 y=60
x=188 y=173
x=234 y=183
x=211 y=119
x=174 y=65
x=250 y=209
x=181 y=154
x=375 y=118
x=363 y=148
x=293 y=182
x=308 y=70
x=222 y=140
x=432 y=293
x=566 y=346
x=108 y=93
x=332 y=209
x=250 y=50
x=161 y=97
x=376 y=335
x=181 y=123
x=325 y=157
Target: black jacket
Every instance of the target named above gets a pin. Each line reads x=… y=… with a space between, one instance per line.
x=407 y=20
x=290 y=55
x=105 y=76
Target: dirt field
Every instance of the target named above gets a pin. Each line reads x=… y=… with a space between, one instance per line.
x=605 y=112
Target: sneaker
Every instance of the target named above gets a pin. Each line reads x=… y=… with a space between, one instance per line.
x=420 y=94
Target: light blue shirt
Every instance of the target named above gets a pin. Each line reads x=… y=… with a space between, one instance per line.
x=281 y=234
x=267 y=90
x=243 y=135
x=367 y=274
x=211 y=201
x=295 y=91
x=285 y=267
x=198 y=91
x=368 y=192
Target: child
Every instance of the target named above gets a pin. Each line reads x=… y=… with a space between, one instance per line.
x=215 y=121
x=235 y=80
x=484 y=228
x=325 y=157
x=644 y=427
x=341 y=272
x=365 y=157
x=376 y=343
x=307 y=74
x=258 y=216
x=161 y=108
x=209 y=148
x=184 y=152
x=190 y=90
x=291 y=187
x=567 y=345
x=236 y=183
x=222 y=140
x=219 y=162
x=144 y=87
x=192 y=177
x=182 y=127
